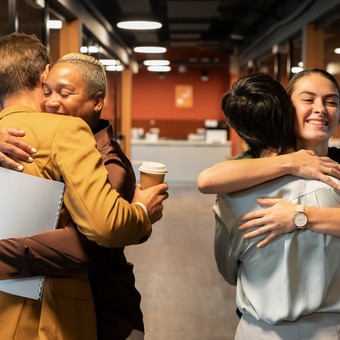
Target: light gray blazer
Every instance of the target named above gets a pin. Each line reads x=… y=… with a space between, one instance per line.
x=297 y=274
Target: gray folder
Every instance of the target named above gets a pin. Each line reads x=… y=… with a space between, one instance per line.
x=29 y=205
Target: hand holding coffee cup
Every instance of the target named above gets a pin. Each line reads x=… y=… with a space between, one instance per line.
x=151 y=173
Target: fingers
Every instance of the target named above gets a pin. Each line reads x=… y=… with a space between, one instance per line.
x=329 y=171
x=15 y=132
x=165 y=195
x=27 y=148
x=156 y=188
x=161 y=190
x=9 y=163
x=13 y=152
x=10 y=136
x=272 y=235
x=156 y=214
x=326 y=159
x=255 y=233
x=332 y=169
x=13 y=147
x=268 y=201
x=312 y=153
x=251 y=221
x=330 y=182
x=161 y=187
x=263 y=243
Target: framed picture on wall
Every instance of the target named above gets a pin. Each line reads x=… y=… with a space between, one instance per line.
x=184 y=96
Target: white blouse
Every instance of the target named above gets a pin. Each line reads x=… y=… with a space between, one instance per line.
x=296 y=274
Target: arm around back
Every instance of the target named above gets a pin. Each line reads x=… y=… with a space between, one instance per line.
x=62 y=252
x=66 y=150
x=97 y=209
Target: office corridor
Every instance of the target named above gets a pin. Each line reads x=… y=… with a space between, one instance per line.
x=183 y=295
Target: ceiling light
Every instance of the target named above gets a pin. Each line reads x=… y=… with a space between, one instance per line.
x=149 y=49
x=139 y=25
x=155 y=62
x=236 y=36
x=93 y=49
x=107 y=62
x=337 y=50
x=159 y=68
x=117 y=68
x=54 y=24
x=296 y=69
x=89 y=49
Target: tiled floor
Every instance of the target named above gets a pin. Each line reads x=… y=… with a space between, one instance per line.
x=183 y=295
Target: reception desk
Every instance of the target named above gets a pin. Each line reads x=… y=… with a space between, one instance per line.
x=184 y=159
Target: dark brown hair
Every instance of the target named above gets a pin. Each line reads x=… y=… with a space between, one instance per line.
x=260 y=111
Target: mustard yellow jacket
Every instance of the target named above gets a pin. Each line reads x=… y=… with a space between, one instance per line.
x=67 y=151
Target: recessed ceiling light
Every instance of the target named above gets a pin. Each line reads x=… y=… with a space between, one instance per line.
x=337 y=50
x=296 y=69
x=155 y=62
x=89 y=49
x=149 y=49
x=139 y=25
x=159 y=68
x=236 y=36
x=107 y=62
x=117 y=68
x=93 y=49
x=54 y=24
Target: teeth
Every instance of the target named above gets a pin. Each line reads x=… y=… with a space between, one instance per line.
x=316 y=122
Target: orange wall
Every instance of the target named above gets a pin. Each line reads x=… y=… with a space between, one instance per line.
x=154 y=98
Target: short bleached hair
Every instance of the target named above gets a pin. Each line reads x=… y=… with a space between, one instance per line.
x=91 y=69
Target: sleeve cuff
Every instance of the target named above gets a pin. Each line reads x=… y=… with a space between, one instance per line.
x=143 y=206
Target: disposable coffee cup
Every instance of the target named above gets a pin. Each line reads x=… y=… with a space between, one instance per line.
x=151 y=173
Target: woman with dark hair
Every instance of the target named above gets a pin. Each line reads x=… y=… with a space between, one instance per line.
x=315 y=96
x=247 y=101
x=287 y=290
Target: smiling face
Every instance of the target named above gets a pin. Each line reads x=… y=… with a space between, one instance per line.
x=316 y=102
x=65 y=91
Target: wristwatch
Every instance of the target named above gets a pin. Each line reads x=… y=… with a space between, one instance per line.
x=300 y=218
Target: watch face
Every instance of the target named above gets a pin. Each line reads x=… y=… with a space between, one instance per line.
x=300 y=220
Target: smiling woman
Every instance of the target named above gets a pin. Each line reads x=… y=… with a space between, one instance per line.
x=315 y=96
x=65 y=92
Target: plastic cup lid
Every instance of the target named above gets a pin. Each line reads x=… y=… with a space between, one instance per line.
x=153 y=168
